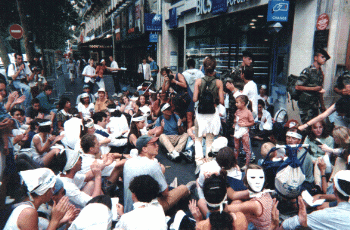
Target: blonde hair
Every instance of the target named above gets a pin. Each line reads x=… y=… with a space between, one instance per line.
x=342 y=133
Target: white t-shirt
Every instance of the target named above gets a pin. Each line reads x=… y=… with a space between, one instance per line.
x=191 y=75
x=251 y=91
x=89 y=70
x=114 y=64
x=88 y=159
x=86 y=111
x=237 y=93
x=117 y=125
x=151 y=217
x=73 y=192
x=13 y=68
x=144 y=67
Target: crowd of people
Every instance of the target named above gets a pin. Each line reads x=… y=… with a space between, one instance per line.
x=95 y=165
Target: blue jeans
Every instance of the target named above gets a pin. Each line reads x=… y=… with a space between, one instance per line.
x=25 y=89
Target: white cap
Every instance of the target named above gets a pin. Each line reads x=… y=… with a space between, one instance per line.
x=102 y=60
x=165 y=107
x=45 y=123
x=72 y=158
x=84 y=95
x=263 y=87
x=38 y=180
x=101 y=90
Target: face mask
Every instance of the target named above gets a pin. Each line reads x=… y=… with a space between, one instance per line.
x=256 y=179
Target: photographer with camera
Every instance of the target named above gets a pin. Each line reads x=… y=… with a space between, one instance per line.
x=178 y=83
x=37 y=77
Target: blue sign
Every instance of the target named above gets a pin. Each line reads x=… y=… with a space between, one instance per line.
x=153 y=22
x=153 y=37
x=278 y=11
x=219 y=6
x=172 y=18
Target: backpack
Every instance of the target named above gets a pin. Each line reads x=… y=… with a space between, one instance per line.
x=291 y=82
x=290 y=177
x=206 y=100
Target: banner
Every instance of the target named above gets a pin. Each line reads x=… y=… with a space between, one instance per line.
x=278 y=11
x=172 y=18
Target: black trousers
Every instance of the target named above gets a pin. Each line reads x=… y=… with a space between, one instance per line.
x=116 y=80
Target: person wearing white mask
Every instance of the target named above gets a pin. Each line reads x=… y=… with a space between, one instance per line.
x=258 y=208
x=78 y=192
x=40 y=185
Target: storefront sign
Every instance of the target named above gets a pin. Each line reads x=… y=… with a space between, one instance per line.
x=219 y=6
x=153 y=37
x=215 y=6
x=322 y=22
x=278 y=11
x=153 y=22
x=172 y=18
x=234 y=2
x=321 y=38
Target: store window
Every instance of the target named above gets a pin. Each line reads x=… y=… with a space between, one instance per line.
x=227 y=36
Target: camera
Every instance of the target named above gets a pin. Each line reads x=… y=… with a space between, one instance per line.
x=170 y=76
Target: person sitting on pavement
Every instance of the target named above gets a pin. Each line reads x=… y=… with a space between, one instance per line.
x=63 y=114
x=144 y=164
x=112 y=167
x=263 y=121
x=85 y=107
x=72 y=129
x=102 y=100
x=39 y=183
x=35 y=106
x=42 y=144
x=44 y=101
x=104 y=137
x=127 y=105
x=147 y=210
x=86 y=89
x=258 y=208
x=225 y=163
x=80 y=188
x=173 y=136
x=329 y=218
x=215 y=194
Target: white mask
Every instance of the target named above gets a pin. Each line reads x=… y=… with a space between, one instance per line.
x=256 y=179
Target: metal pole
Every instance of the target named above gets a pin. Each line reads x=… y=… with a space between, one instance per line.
x=113 y=36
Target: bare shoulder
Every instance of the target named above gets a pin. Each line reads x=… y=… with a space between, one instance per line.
x=219 y=83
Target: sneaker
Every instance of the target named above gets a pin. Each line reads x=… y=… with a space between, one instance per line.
x=188 y=156
x=173 y=156
x=174 y=183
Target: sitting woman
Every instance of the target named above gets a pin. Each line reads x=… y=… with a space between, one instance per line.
x=102 y=101
x=215 y=194
x=42 y=143
x=127 y=107
x=224 y=164
x=85 y=108
x=263 y=123
x=63 y=115
x=318 y=135
x=258 y=208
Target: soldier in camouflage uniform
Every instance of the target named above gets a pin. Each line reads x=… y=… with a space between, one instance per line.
x=311 y=86
x=342 y=87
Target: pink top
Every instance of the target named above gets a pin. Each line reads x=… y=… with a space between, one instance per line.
x=245 y=116
x=263 y=222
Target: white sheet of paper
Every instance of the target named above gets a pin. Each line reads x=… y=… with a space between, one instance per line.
x=309 y=199
x=123 y=68
x=115 y=201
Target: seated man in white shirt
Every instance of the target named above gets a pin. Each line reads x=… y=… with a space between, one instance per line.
x=72 y=129
x=147 y=210
x=80 y=188
x=111 y=169
x=106 y=139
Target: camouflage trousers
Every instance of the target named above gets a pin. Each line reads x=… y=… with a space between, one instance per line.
x=307 y=114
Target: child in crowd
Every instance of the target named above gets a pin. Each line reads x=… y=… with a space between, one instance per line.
x=244 y=119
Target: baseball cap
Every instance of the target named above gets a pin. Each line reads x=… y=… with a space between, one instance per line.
x=124 y=89
x=323 y=52
x=84 y=95
x=102 y=60
x=86 y=86
x=291 y=124
x=101 y=90
x=144 y=140
x=263 y=87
